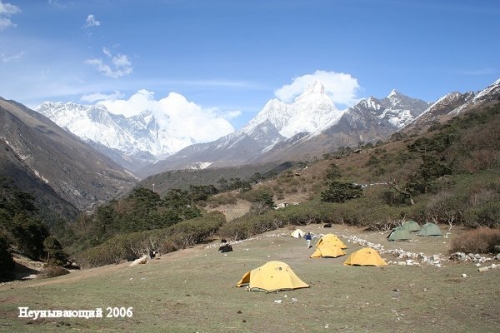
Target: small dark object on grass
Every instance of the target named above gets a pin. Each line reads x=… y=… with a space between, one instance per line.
x=225 y=248
x=328 y=225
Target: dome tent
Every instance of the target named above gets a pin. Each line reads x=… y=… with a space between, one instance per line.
x=430 y=229
x=297 y=233
x=399 y=234
x=329 y=246
x=332 y=238
x=411 y=226
x=272 y=276
x=365 y=257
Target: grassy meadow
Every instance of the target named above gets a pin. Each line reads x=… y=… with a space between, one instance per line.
x=193 y=290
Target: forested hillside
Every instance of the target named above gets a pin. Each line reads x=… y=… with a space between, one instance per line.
x=449 y=175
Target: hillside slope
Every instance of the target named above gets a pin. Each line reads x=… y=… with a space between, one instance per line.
x=36 y=148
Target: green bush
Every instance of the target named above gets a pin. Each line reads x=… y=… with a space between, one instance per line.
x=222 y=199
x=190 y=232
x=341 y=192
x=487 y=214
x=257 y=194
x=133 y=245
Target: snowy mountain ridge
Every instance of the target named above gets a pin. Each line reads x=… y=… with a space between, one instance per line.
x=311 y=121
x=308 y=112
x=130 y=135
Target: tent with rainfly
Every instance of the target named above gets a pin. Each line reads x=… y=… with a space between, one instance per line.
x=329 y=246
x=297 y=233
x=411 y=226
x=430 y=229
x=365 y=257
x=272 y=276
x=399 y=234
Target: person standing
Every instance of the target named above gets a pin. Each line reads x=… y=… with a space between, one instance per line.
x=308 y=238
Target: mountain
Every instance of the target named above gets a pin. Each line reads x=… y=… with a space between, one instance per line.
x=309 y=126
x=453 y=104
x=309 y=111
x=132 y=142
x=61 y=170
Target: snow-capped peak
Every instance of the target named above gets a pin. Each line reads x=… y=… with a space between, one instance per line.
x=310 y=111
x=393 y=93
x=131 y=135
x=315 y=87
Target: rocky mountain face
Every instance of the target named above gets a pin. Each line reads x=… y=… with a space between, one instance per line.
x=61 y=170
x=309 y=112
x=132 y=142
x=454 y=104
x=310 y=126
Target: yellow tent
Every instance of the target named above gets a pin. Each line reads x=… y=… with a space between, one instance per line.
x=272 y=276
x=297 y=233
x=329 y=246
x=334 y=239
x=365 y=257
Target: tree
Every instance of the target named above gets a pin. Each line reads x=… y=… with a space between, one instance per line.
x=264 y=203
x=6 y=262
x=340 y=192
x=55 y=253
x=333 y=172
x=29 y=234
x=223 y=184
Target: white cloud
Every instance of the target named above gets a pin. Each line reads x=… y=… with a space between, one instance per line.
x=91 y=22
x=100 y=97
x=341 y=88
x=119 y=64
x=232 y=114
x=6 y=58
x=7 y=10
x=175 y=113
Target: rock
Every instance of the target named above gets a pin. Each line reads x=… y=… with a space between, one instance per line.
x=140 y=261
x=460 y=256
x=483 y=269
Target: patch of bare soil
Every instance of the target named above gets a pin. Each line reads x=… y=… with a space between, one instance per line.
x=242 y=206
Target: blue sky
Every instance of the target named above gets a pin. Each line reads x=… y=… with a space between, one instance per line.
x=224 y=59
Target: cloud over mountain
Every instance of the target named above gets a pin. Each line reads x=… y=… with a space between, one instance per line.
x=175 y=113
x=340 y=87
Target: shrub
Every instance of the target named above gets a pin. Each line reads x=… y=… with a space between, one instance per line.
x=482 y=240
x=249 y=225
x=194 y=231
x=485 y=214
x=257 y=194
x=133 y=245
x=341 y=192
x=222 y=199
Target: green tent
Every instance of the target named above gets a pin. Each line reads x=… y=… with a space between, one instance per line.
x=411 y=226
x=430 y=229
x=399 y=234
